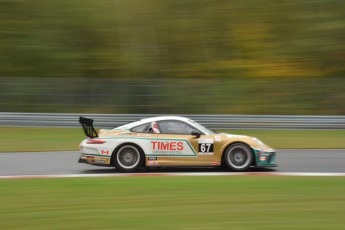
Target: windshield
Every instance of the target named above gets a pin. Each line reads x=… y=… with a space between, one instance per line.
x=201 y=127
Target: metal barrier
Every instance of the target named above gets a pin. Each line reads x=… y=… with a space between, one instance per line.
x=216 y=122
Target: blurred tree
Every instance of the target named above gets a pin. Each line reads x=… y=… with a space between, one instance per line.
x=260 y=54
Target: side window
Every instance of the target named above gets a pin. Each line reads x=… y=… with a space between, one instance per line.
x=142 y=128
x=175 y=127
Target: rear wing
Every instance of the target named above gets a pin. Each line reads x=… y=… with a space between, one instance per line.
x=88 y=128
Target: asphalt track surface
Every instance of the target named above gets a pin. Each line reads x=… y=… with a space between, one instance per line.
x=64 y=163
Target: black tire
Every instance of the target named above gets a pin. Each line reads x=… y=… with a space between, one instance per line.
x=238 y=157
x=128 y=158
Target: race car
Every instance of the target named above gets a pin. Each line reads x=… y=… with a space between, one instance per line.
x=171 y=141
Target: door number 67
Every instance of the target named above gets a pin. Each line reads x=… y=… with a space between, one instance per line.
x=206 y=147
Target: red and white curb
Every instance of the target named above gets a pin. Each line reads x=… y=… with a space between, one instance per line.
x=306 y=174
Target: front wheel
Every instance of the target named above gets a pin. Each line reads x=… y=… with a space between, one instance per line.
x=238 y=157
x=128 y=158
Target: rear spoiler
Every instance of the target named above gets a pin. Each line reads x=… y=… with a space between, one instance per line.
x=88 y=128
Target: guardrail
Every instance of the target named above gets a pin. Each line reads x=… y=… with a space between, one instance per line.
x=210 y=121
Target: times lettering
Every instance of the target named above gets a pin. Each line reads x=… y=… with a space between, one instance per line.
x=167 y=145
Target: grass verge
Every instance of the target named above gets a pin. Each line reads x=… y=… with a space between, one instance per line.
x=243 y=202
x=18 y=139
x=299 y=139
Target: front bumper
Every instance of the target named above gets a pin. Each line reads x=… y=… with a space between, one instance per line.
x=264 y=158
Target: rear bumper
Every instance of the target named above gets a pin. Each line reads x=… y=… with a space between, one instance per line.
x=82 y=161
x=94 y=159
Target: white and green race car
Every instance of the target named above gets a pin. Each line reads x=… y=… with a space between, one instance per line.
x=171 y=141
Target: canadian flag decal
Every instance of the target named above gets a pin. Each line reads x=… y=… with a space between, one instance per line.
x=105 y=152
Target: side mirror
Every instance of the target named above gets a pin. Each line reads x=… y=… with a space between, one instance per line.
x=196 y=134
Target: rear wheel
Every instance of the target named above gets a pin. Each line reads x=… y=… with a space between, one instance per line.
x=238 y=157
x=128 y=158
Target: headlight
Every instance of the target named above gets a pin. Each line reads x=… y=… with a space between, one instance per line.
x=257 y=141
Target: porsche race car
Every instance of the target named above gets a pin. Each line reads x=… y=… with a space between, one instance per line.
x=171 y=141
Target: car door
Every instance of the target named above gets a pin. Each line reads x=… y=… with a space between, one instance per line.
x=175 y=145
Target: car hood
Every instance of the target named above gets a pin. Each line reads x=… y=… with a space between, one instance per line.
x=251 y=141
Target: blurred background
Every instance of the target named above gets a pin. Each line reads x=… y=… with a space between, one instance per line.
x=192 y=56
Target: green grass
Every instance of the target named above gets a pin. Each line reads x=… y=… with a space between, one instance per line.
x=299 y=139
x=27 y=139
x=243 y=202
x=53 y=139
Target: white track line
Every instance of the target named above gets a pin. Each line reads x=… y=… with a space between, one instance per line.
x=308 y=174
